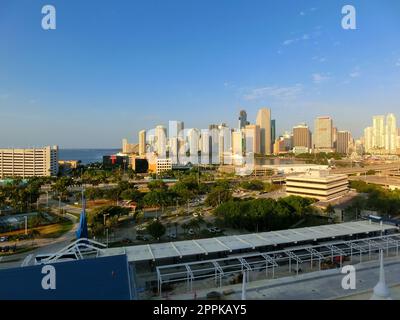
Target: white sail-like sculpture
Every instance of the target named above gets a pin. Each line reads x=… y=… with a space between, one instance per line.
x=244 y=286
x=381 y=290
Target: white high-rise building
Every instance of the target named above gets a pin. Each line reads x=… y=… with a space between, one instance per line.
x=205 y=146
x=193 y=139
x=378 y=132
x=391 y=134
x=175 y=131
x=225 y=144
x=237 y=142
x=368 y=139
x=161 y=141
x=252 y=139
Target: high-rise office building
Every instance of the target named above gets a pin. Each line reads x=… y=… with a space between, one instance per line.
x=214 y=143
x=378 y=132
x=334 y=138
x=252 y=139
x=225 y=144
x=301 y=136
x=323 y=135
x=264 y=122
x=161 y=141
x=205 y=146
x=35 y=162
x=175 y=134
x=343 y=142
x=243 y=119
x=237 y=143
x=288 y=140
x=142 y=142
x=193 y=141
x=391 y=134
x=368 y=139
x=273 y=131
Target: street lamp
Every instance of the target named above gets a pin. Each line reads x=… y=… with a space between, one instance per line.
x=104 y=218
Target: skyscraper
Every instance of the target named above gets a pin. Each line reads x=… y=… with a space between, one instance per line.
x=161 y=141
x=334 y=138
x=323 y=134
x=205 y=146
x=264 y=122
x=237 y=142
x=391 y=134
x=142 y=142
x=175 y=139
x=301 y=136
x=343 y=142
x=225 y=144
x=368 y=139
x=378 y=132
x=214 y=143
x=193 y=139
x=243 y=119
x=252 y=139
x=273 y=131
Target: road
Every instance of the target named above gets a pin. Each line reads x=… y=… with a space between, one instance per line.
x=43 y=245
x=378 y=167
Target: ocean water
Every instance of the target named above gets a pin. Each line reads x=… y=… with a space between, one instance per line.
x=85 y=155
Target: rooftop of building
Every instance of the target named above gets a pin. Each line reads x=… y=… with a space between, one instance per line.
x=178 y=249
x=318 y=175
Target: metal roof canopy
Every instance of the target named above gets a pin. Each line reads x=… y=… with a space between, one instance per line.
x=179 y=249
x=228 y=266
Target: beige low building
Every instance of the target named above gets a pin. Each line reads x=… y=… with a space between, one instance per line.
x=318 y=185
x=35 y=162
x=72 y=164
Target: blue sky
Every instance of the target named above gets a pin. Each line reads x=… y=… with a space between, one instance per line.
x=112 y=68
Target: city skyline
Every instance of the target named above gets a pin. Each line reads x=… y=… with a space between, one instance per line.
x=143 y=64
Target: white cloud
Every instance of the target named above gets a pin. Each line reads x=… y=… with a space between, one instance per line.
x=302 y=13
x=354 y=74
x=274 y=92
x=289 y=41
x=319 y=59
x=319 y=78
x=303 y=37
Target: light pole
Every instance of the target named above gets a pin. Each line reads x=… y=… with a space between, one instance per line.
x=104 y=218
x=26 y=225
x=107 y=236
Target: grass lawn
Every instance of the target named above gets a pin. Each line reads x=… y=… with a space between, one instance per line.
x=57 y=230
x=48 y=231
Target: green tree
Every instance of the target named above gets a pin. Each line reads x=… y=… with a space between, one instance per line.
x=156 y=229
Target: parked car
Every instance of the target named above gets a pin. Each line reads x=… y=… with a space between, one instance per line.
x=3 y=239
x=142 y=238
x=126 y=241
x=191 y=232
x=172 y=236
